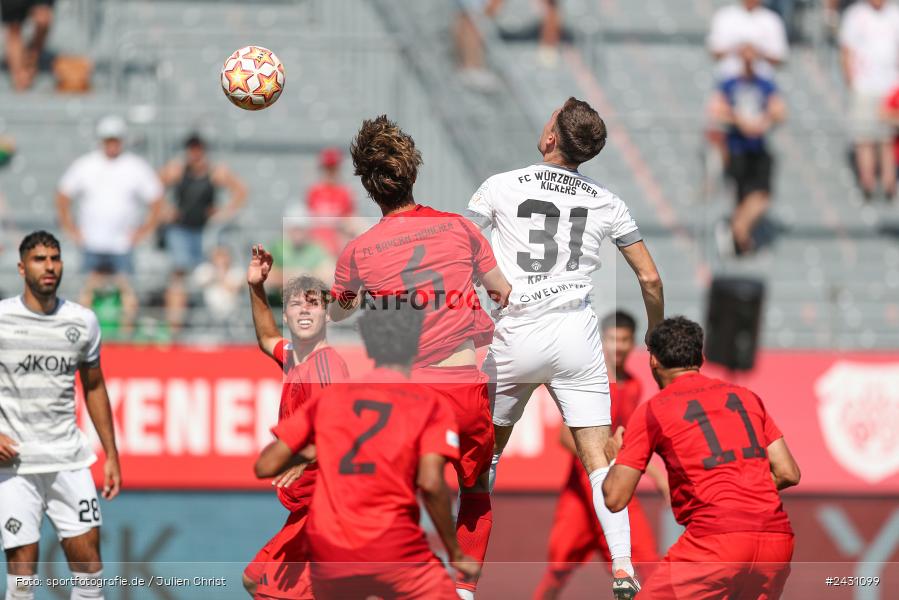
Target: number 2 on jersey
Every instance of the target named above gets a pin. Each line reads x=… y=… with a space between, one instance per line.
x=347 y=464
x=696 y=414
x=546 y=237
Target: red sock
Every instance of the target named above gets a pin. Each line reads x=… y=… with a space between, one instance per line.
x=473 y=529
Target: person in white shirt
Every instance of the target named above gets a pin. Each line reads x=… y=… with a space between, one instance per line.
x=869 y=44
x=44 y=458
x=119 y=201
x=747 y=23
x=548 y=223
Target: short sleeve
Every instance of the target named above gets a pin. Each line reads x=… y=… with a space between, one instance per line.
x=92 y=347
x=346 y=276
x=769 y=427
x=71 y=184
x=717 y=40
x=279 y=352
x=440 y=434
x=149 y=188
x=480 y=207
x=482 y=254
x=623 y=229
x=775 y=44
x=295 y=430
x=848 y=35
x=638 y=444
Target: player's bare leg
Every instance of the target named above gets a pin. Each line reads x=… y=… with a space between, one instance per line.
x=21 y=562
x=83 y=554
x=591 y=443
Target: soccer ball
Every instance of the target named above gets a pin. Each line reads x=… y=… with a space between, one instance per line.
x=253 y=78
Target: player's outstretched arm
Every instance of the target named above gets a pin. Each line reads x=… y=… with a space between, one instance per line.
x=436 y=499
x=267 y=333
x=784 y=468
x=638 y=257
x=97 y=401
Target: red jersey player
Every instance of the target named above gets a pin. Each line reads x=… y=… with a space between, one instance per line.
x=378 y=439
x=576 y=533
x=726 y=461
x=428 y=259
x=309 y=363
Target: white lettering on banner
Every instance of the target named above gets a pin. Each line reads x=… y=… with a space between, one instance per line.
x=858 y=411
x=143 y=416
x=268 y=399
x=187 y=418
x=234 y=427
x=528 y=439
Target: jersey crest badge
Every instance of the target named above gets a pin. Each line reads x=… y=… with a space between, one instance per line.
x=73 y=335
x=13 y=525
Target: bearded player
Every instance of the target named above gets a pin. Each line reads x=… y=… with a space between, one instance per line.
x=428 y=259
x=726 y=461
x=576 y=533
x=379 y=439
x=44 y=458
x=280 y=568
x=548 y=223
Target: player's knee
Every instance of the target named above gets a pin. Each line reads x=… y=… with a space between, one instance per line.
x=20 y=587
x=249 y=585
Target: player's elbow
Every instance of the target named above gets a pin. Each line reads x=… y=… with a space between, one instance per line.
x=266 y=466
x=650 y=280
x=431 y=485
x=614 y=498
x=790 y=476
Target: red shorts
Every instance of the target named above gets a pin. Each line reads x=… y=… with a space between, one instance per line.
x=418 y=580
x=576 y=533
x=281 y=568
x=465 y=388
x=740 y=565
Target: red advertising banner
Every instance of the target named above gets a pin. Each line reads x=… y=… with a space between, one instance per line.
x=194 y=418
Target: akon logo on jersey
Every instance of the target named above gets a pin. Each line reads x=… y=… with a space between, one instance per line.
x=38 y=363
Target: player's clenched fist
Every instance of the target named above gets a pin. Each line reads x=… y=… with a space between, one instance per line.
x=8 y=448
x=260 y=265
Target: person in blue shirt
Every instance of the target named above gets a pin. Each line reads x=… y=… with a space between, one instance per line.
x=748 y=107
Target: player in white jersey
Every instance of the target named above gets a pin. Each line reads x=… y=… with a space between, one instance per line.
x=548 y=223
x=44 y=457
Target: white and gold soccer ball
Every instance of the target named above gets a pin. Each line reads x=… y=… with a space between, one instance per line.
x=253 y=78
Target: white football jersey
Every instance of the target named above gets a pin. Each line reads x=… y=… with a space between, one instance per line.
x=548 y=225
x=39 y=356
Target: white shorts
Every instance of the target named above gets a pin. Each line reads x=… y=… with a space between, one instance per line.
x=559 y=349
x=68 y=497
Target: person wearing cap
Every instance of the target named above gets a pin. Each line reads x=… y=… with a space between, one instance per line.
x=195 y=183
x=330 y=204
x=119 y=200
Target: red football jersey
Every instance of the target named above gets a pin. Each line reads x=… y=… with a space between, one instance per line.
x=713 y=437
x=320 y=369
x=428 y=259
x=626 y=396
x=330 y=200
x=369 y=436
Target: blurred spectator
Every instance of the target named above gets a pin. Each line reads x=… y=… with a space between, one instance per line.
x=747 y=23
x=550 y=34
x=7 y=232
x=23 y=59
x=869 y=43
x=891 y=115
x=469 y=45
x=221 y=283
x=195 y=183
x=330 y=204
x=113 y=189
x=786 y=10
x=749 y=106
x=298 y=252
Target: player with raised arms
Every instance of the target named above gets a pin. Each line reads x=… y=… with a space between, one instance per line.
x=425 y=258
x=44 y=458
x=726 y=461
x=548 y=223
x=379 y=439
x=280 y=568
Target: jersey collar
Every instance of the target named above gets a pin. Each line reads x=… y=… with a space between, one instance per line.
x=560 y=167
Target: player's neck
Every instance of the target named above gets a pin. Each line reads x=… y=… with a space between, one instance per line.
x=555 y=158
x=404 y=370
x=669 y=376
x=392 y=211
x=40 y=304
x=303 y=348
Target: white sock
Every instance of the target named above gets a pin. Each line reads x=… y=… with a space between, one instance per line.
x=493 y=463
x=87 y=586
x=465 y=594
x=616 y=527
x=21 y=587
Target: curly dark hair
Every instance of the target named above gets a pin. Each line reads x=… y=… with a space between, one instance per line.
x=677 y=343
x=37 y=238
x=619 y=318
x=305 y=284
x=391 y=334
x=580 y=130
x=386 y=159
